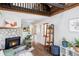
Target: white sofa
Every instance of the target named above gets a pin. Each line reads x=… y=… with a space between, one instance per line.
x=20 y=53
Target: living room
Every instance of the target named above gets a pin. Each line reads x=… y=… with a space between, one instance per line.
x=16 y=34
x=23 y=33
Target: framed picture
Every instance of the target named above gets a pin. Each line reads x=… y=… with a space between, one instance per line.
x=74 y=25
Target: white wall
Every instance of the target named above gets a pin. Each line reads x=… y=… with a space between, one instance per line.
x=6 y=33
x=61 y=22
x=22 y=18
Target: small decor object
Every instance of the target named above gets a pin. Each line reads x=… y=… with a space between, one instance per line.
x=63 y=51
x=64 y=43
x=13 y=23
x=76 y=45
x=74 y=25
x=26 y=29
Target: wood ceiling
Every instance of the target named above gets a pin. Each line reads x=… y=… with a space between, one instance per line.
x=46 y=9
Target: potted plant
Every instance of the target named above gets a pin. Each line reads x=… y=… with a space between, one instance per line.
x=76 y=45
x=27 y=39
x=70 y=44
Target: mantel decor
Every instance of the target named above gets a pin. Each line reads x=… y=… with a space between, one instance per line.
x=74 y=25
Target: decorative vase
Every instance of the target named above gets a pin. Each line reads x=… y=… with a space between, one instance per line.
x=64 y=43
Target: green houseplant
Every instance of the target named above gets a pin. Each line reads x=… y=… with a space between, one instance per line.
x=76 y=45
x=27 y=39
x=70 y=44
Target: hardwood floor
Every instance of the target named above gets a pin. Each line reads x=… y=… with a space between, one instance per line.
x=39 y=50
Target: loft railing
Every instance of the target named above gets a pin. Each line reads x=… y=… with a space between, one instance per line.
x=33 y=6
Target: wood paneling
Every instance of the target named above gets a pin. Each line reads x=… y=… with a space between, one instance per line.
x=37 y=8
x=23 y=10
x=63 y=9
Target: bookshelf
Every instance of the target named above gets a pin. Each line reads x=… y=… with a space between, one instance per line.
x=48 y=36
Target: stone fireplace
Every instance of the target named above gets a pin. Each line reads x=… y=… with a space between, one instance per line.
x=12 y=42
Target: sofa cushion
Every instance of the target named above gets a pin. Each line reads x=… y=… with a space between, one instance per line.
x=9 y=52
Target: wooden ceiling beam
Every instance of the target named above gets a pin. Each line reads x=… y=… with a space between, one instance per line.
x=63 y=9
x=53 y=8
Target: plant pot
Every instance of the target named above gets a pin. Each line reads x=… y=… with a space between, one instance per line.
x=64 y=43
x=76 y=49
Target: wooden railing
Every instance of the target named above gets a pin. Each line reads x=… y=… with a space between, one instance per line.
x=34 y=8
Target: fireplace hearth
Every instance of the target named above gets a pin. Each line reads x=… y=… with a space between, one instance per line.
x=12 y=42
